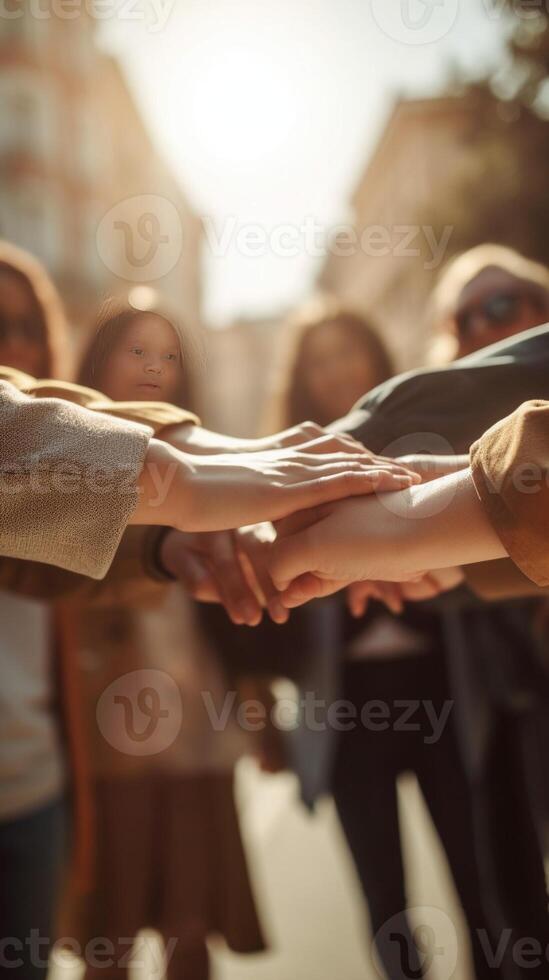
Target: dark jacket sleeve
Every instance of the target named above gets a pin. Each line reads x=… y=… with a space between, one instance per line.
x=446 y=410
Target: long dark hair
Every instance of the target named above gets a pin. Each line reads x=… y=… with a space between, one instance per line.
x=114 y=319
x=50 y=315
x=292 y=403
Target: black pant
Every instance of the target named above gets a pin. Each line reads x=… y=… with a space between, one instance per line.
x=364 y=785
x=31 y=857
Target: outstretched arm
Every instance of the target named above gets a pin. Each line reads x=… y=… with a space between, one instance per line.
x=393 y=537
x=72 y=478
x=497 y=508
x=215 y=493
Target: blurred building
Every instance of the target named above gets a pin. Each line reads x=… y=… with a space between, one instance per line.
x=81 y=183
x=241 y=363
x=389 y=267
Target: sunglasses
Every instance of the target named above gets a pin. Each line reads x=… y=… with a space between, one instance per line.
x=498 y=310
x=23 y=328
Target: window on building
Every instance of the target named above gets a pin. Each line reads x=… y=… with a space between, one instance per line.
x=32 y=215
x=89 y=148
x=28 y=121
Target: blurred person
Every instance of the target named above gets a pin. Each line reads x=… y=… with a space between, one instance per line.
x=391 y=661
x=33 y=334
x=485 y=295
x=168 y=852
x=34 y=756
x=42 y=431
x=332 y=357
x=497 y=684
x=33 y=815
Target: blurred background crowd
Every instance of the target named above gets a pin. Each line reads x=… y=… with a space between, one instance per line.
x=309 y=198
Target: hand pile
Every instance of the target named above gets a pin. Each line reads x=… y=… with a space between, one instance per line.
x=342 y=543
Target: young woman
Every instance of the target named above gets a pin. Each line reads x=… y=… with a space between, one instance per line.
x=386 y=660
x=32 y=760
x=168 y=852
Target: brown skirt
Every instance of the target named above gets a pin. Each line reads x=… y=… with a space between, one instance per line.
x=169 y=856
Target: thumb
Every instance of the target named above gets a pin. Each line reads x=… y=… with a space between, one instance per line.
x=291 y=557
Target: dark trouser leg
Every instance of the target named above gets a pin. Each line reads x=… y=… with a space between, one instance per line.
x=364 y=788
x=516 y=860
x=448 y=796
x=31 y=859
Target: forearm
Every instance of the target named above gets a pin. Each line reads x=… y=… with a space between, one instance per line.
x=195 y=439
x=439 y=525
x=164 y=488
x=434 y=467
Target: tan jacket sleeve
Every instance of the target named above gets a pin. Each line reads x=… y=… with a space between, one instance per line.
x=68 y=480
x=157 y=415
x=510 y=466
x=493 y=580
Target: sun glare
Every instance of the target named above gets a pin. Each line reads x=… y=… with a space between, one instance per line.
x=240 y=103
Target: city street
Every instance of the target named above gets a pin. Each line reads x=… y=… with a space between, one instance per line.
x=311 y=905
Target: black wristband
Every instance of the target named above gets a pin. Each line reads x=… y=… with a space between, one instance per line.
x=153 y=561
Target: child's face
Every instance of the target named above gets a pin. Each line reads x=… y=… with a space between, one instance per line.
x=145 y=364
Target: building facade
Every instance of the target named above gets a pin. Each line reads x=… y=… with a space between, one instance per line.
x=388 y=268
x=81 y=184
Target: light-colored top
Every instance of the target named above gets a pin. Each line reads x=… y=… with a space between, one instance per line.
x=31 y=762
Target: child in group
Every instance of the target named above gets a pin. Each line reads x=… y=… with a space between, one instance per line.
x=168 y=851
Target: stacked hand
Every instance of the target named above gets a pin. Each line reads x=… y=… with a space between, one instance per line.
x=373 y=545
x=396 y=537
x=227 y=567
x=225 y=491
x=194 y=439
x=231 y=566
x=395 y=594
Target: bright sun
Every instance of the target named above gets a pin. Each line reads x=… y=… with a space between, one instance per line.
x=240 y=104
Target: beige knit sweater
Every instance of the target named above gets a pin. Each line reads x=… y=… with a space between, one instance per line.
x=68 y=472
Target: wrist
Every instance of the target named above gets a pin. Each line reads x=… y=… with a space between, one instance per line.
x=165 y=494
x=197 y=441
